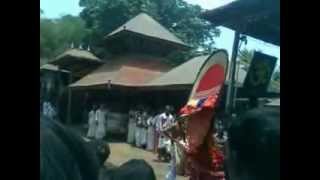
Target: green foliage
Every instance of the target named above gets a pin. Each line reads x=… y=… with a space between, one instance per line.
x=276 y=75
x=57 y=34
x=245 y=57
x=181 y=18
x=100 y=17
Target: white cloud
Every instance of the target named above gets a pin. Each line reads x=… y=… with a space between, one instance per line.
x=209 y=4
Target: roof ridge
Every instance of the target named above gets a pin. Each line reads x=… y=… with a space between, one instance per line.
x=156 y=30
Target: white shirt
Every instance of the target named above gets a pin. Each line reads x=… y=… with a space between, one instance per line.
x=164 y=120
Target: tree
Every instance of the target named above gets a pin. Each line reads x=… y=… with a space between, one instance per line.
x=181 y=18
x=245 y=57
x=57 y=34
x=276 y=75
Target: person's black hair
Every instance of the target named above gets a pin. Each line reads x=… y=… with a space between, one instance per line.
x=102 y=150
x=255 y=139
x=64 y=155
x=135 y=169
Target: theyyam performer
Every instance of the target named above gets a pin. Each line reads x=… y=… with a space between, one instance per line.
x=204 y=158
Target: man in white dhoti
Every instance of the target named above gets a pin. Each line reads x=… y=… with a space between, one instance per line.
x=45 y=108
x=92 y=123
x=164 y=120
x=101 y=129
x=151 y=133
x=49 y=110
x=138 y=130
x=53 y=112
x=131 y=127
x=144 y=129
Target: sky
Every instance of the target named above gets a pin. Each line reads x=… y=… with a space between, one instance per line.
x=56 y=8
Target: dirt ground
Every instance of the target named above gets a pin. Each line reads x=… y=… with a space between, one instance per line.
x=122 y=152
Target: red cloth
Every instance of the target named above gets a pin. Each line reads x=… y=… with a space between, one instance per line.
x=210 y=159
x=201 y=152
x=200 y=147
x=217 y=159
x=197 y=129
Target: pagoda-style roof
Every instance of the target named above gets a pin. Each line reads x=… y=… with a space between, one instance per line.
x=52 y=68
x=146 y=27
x=124 y=71
x=184 y=75
x=79 y=62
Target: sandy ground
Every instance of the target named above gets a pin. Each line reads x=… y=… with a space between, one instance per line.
x=122 y=152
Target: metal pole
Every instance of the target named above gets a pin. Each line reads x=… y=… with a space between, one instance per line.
x=235 y=87
x=69 y=99
x=232 y=72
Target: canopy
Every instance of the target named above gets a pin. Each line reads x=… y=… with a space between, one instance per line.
x=257 y=18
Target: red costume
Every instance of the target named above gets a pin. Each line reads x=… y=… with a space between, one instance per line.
x=205 y=160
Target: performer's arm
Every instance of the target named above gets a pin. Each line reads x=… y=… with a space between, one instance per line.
x=176 y=141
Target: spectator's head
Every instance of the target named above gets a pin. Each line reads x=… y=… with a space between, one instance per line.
x=102 y=150
x=167 y=109
x=172 y=110
x=64 y=155
x=134 y=169
x=254 y=140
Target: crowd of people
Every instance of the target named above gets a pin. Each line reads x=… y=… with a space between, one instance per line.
x=145 y=127
x=165 y=135
x=47 y=109
x=253 y=150
x=147 y=130
x=154 y=131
